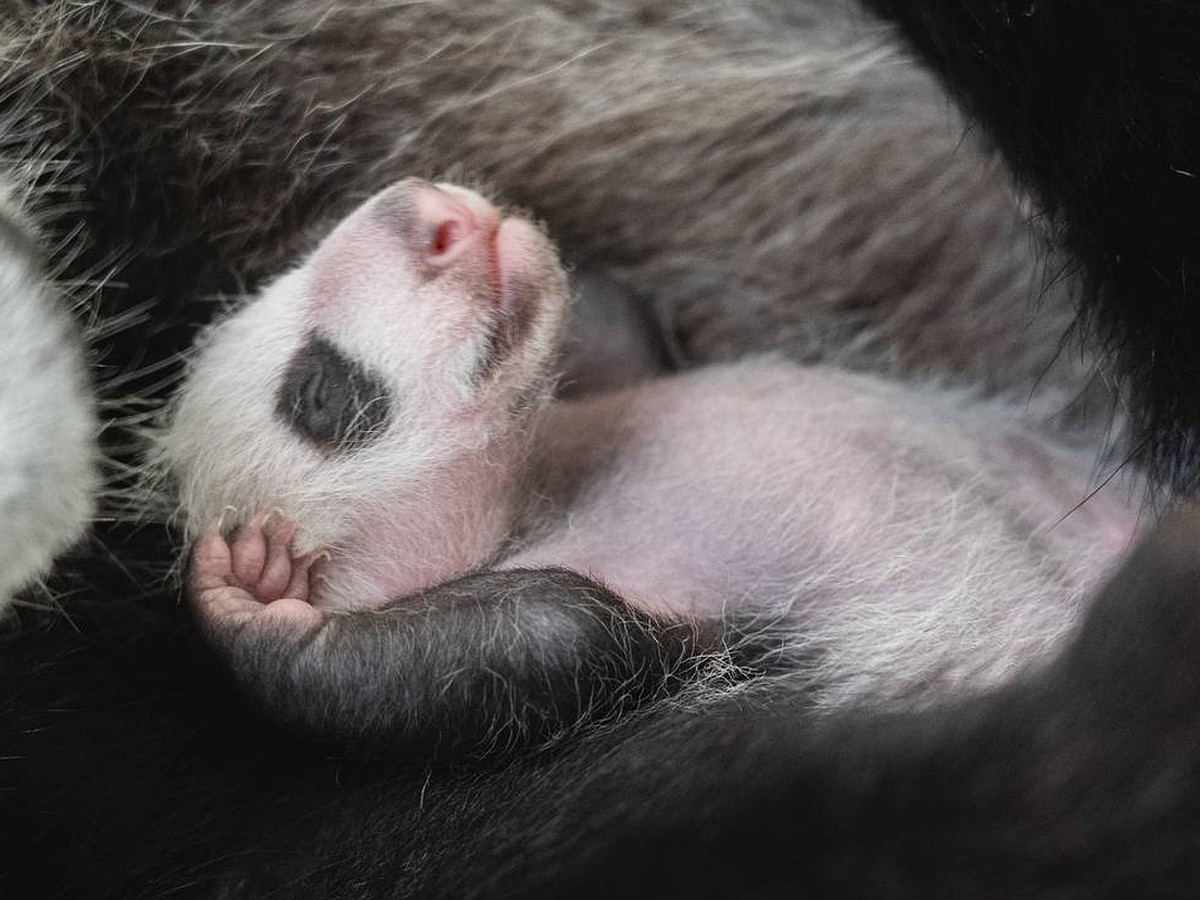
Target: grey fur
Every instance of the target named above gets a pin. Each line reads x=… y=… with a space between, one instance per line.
x=758 y=176
x=761 y=175
x=771 y=176
x=897 y=542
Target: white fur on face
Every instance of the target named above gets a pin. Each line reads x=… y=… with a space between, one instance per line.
x=458 y=339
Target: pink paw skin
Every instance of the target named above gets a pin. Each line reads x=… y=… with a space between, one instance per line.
x=253 y=577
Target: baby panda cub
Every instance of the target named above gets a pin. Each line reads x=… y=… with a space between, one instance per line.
x=401 y=536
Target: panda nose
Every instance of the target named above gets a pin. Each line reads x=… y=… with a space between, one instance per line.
x=450 y=222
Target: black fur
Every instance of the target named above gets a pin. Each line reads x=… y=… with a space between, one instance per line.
x=330 y=399
x=478 y=665
x=1096 y=106
x=1081 y=781
x=130 y=768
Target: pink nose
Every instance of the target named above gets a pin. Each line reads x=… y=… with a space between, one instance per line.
x=451 y=222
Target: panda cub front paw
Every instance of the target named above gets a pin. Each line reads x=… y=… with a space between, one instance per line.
x=252 y=577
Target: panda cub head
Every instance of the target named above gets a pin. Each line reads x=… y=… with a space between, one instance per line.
x=380 y=394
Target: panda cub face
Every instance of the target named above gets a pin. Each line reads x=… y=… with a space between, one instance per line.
x=398 y=363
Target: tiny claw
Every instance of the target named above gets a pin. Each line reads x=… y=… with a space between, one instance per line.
x=284 y=533
x=274 y=519
x=226 y=511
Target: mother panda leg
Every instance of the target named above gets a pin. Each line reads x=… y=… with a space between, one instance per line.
x=1095 y=109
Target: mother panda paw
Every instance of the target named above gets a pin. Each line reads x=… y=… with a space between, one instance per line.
x=253 y=578
x=48 y=454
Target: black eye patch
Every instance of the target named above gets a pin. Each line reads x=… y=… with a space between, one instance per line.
x=330 y=399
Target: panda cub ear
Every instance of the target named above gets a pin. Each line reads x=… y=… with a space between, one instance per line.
x=48 y=476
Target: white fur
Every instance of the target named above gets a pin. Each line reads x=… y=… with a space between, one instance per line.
x=433 y=495
x=905 y=540
x=47 y=421
x=910 y=541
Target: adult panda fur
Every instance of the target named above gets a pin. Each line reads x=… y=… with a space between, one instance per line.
x=151 y=780
x=48 y=433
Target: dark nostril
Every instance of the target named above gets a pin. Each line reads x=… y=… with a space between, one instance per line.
x=446 y=224
x=445 y=236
